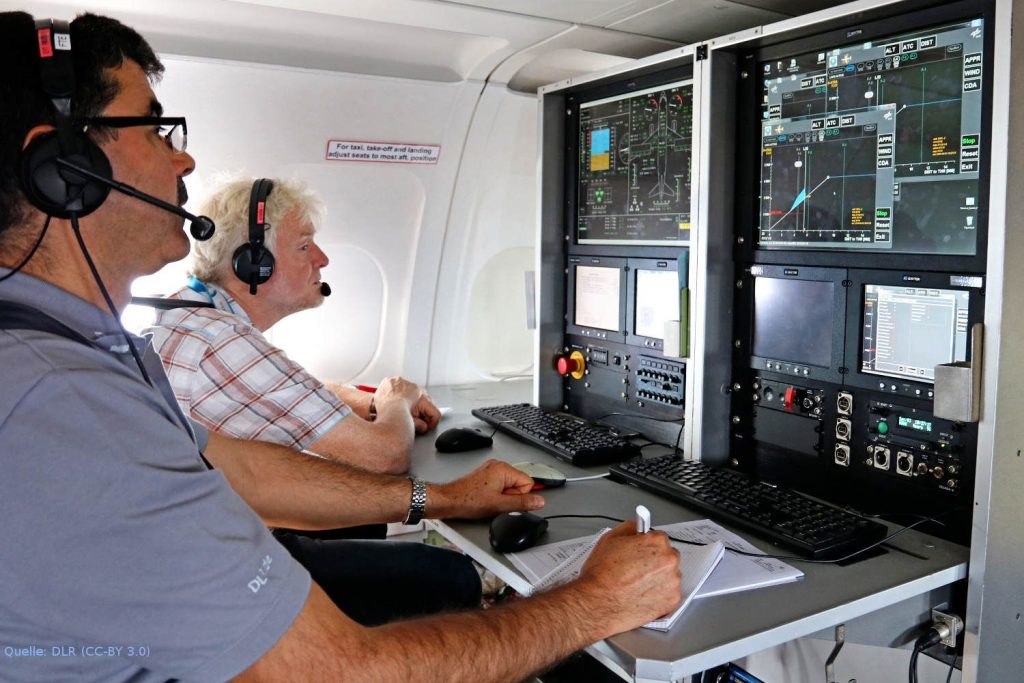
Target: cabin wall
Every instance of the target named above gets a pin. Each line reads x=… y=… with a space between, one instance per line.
x=399 y=236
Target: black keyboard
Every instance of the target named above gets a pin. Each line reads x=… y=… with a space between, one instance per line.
x=564 y=436
x=812 y=528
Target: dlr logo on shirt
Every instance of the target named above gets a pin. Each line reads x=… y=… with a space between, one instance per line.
x=261 y=575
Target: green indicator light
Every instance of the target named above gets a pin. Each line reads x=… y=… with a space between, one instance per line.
x=883 y=427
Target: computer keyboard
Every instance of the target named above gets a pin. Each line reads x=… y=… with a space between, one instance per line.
x=812 y=528
x=566 y=437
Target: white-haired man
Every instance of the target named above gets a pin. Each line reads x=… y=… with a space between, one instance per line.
x=233 y=380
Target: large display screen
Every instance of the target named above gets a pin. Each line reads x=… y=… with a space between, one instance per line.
x=597 y=297
x=875 y=146
x=910 y=330
x=634 y=167
x=793 y=320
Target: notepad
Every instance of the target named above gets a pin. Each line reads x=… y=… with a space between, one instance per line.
x=734 y=573
x=696 y=564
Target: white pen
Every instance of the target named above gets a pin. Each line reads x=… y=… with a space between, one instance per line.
x=643 y=519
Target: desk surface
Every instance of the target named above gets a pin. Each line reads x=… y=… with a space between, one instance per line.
x=712 y=630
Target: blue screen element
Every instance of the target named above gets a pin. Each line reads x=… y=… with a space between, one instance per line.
x=600 y=141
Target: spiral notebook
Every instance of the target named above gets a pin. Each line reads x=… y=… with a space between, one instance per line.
x=695 y=563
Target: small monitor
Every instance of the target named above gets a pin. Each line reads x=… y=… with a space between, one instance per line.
x=656 y=302
x=597 y=298
x=909 y=330
x=793 y=320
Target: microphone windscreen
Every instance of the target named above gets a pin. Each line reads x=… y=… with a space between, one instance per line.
x=325 y=289
x=202 y=228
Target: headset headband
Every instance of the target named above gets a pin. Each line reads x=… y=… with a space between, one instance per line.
x=258 y=213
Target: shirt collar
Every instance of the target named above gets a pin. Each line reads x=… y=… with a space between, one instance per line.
x=95 y=324
x=197 y=290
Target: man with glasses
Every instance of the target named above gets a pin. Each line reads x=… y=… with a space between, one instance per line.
x=115 y=532
x=173 y=129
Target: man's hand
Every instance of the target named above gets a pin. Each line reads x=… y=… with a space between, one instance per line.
x=492 y=488
x=634 y=577
x=425 y=415
x=397 y=389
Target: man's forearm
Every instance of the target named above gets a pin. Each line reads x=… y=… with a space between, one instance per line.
x=381 y=446
x=296 y=490
x=358 y=401
x=504 y=644
x=519 y=639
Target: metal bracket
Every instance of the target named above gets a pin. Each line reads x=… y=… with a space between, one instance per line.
x=958 y=385
x=830 y=663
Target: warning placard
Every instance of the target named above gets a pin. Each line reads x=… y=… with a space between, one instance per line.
x=382 y=152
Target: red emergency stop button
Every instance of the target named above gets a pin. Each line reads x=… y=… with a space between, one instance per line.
x=572 y=365
x=566 y=365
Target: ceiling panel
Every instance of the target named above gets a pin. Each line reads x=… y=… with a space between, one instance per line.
x=691 y=21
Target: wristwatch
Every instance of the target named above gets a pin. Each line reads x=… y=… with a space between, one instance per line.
x=418 y=503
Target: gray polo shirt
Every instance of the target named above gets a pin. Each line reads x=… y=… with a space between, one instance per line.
x=122 y=558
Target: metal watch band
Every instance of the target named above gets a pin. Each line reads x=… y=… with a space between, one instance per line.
x=418 y=502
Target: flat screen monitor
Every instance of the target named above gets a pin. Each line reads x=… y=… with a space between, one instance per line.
x=793 y=320
x=657 y=301
x=875 y=146
x=910 y=330
x=633 y=176
x=597 y=298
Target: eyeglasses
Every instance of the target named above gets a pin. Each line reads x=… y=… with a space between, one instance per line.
x=172 y=129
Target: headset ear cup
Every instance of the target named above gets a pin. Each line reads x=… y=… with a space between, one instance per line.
x=59 y=192
x=242 y=264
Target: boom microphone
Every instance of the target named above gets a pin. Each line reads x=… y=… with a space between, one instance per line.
x=325 y=289
x=202 y=227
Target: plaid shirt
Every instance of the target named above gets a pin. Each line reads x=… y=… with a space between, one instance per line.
x=228 y=377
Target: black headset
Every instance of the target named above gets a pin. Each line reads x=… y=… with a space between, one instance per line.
x=52 y=189
x=252 y=262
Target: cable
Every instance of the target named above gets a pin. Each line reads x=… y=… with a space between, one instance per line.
x=106 y=297
x=952 y=663
x=32 y=252
x=610 y=519
x=503 y=422
x=935 y=634
x=593 y=476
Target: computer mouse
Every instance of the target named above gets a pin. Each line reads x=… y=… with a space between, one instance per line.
x=544 y=476
x=515 y=531
x=459 y=439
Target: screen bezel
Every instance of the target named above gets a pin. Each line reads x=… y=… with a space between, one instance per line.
x=570 y=308
x=836 y=276
x=903 y=386
x=635 y=265
x=626 y=87
x=749 y=135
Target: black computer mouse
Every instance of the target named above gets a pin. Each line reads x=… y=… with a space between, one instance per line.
x=515 y=531
x=458 y=439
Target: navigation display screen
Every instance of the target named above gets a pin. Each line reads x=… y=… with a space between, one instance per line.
x=910 y=330
x=876 y=145
x=634 y=167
